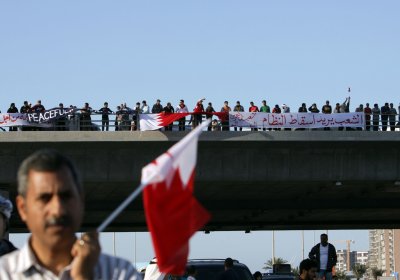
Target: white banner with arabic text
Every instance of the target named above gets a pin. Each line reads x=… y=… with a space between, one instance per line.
x=295 y=120
x=13 y=119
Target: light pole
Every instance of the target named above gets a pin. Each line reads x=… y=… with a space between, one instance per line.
x=273 y=247
x=302 y=243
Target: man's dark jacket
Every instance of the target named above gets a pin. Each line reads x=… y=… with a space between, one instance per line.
x=332 y=258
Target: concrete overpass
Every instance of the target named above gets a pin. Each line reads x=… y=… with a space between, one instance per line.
x=248 y=180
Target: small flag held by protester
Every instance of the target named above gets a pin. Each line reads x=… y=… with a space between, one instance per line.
x=173 y=214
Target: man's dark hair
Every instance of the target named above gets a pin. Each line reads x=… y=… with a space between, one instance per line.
x=324 y=234
x=45 y=160
x=228 y=262
x=307 y=264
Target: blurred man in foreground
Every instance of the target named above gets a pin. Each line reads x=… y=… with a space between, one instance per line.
x=308 y=269
x=51 y=202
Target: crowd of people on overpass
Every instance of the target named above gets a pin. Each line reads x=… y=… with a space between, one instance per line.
x=126 y=118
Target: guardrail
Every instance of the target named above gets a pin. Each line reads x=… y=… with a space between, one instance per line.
x=129 y=122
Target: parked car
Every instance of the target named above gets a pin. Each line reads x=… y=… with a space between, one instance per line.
x=210 y=269
x=273 y=276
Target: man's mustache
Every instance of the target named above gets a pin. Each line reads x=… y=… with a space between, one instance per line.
x=58 y=221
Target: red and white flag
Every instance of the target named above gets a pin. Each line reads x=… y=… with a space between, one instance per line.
x=173 y=214
x=157 y=121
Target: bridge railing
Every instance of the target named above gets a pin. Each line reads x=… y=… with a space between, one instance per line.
x=130 y=122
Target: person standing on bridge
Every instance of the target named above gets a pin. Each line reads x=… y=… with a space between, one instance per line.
x=325 y=255
x=168 y=110
x=225 y=119
x=12 y=110
x=198 y=113
x=238 y=108
x=105 y=111
x=375 y=117
x=51 y=202
x=368 y=113
x=157 y=107
x=182 y=108
x=392 y=117
x=209 y=111
x=85 y=118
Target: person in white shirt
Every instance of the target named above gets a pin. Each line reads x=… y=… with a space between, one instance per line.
x=325 y=255
x=145 y=108
x=181 y=108
x=51 y=202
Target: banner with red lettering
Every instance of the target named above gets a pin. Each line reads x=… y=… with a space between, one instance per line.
x=34 y=119
x=13 y=119
x=295 y=120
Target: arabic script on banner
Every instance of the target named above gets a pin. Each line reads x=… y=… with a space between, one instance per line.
x=295 y=120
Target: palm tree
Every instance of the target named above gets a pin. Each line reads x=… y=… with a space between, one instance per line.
x=376 y=272
x=341 y=275
x=270 y=263
x=359 y=270
x=296 y=271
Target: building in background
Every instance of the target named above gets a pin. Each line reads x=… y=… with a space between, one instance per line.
x=384 y=250
x=356 y=257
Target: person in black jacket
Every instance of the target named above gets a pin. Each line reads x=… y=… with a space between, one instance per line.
x=12 y=110
x=229 y=273
x=385 y=111
x=105 y=111
x=325 y=254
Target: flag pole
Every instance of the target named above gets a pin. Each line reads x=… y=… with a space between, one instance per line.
x=121 y=207
x=139 y=189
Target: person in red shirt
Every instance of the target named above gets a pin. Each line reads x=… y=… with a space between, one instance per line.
x=198 y=110
x=253 y=108
x=368 y=113
x=225 y=119
x=277 y=110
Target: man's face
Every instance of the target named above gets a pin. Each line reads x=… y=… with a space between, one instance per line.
x=52 y=209
x=324 y=240
x=312 y=273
